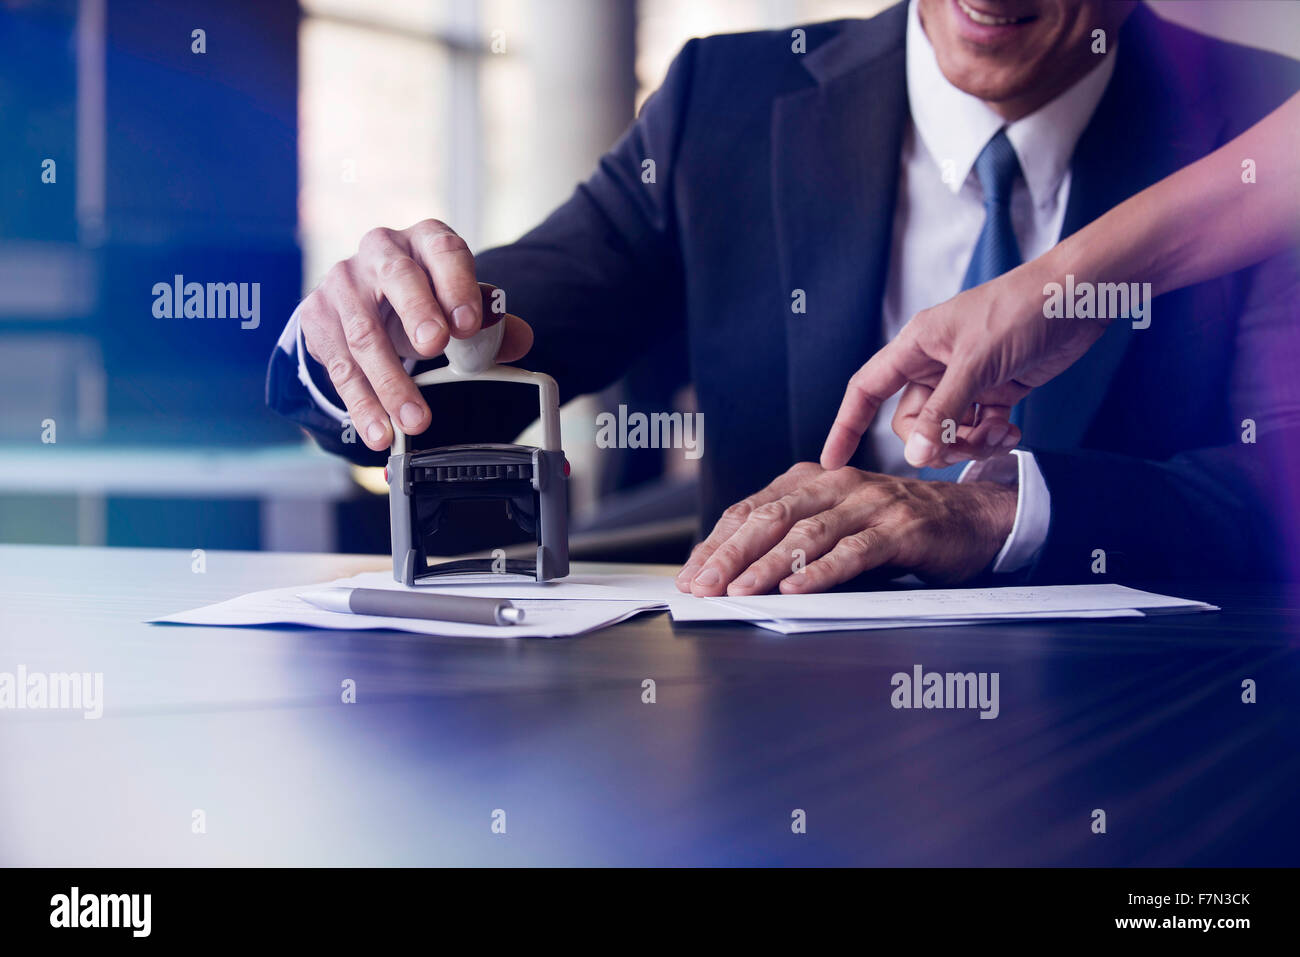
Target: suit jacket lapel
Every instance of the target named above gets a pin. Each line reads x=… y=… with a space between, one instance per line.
x=1144 y=129
x=836 y=149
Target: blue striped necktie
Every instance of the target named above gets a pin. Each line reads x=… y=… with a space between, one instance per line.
x=996 y=250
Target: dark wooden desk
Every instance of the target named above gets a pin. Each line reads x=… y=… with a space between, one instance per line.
x=1142 y=718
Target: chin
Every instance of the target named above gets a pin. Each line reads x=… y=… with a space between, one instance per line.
x=974 y=75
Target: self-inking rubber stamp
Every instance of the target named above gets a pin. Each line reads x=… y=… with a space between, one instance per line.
x=531 y=481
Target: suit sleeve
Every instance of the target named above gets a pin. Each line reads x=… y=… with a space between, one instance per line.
x=599 y=281
x=1226 y=511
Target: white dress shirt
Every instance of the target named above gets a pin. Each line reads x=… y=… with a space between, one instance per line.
x=938 y=219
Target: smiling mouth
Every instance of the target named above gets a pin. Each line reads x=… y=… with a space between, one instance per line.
x=988 y=19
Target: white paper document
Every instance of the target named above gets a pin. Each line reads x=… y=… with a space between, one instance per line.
x=543 y=618
x=581 y=603
x=807 y=626
x=956 y=603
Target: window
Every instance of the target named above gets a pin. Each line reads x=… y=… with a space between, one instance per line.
x=412 y=109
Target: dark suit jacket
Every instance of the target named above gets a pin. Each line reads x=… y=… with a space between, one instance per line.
x=776 y=171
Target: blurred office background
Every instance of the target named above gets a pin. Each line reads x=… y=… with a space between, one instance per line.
x=129 y=158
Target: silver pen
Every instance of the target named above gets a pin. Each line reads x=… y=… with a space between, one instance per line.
x=386 y=603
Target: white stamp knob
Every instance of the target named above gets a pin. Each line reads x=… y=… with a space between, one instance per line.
x=478 y=352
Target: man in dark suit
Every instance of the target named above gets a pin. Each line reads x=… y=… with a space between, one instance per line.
x=788 y=199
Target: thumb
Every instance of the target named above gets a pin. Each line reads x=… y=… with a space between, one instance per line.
x=954 y=394
x=516 y=341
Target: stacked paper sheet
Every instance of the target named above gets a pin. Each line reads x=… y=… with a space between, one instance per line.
x=850 y=611
x=582 y=603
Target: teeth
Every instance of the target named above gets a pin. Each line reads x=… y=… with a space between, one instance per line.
x=984 y=18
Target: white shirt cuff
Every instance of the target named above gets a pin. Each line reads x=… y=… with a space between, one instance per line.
x=293 y=334
x=1033 y=505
